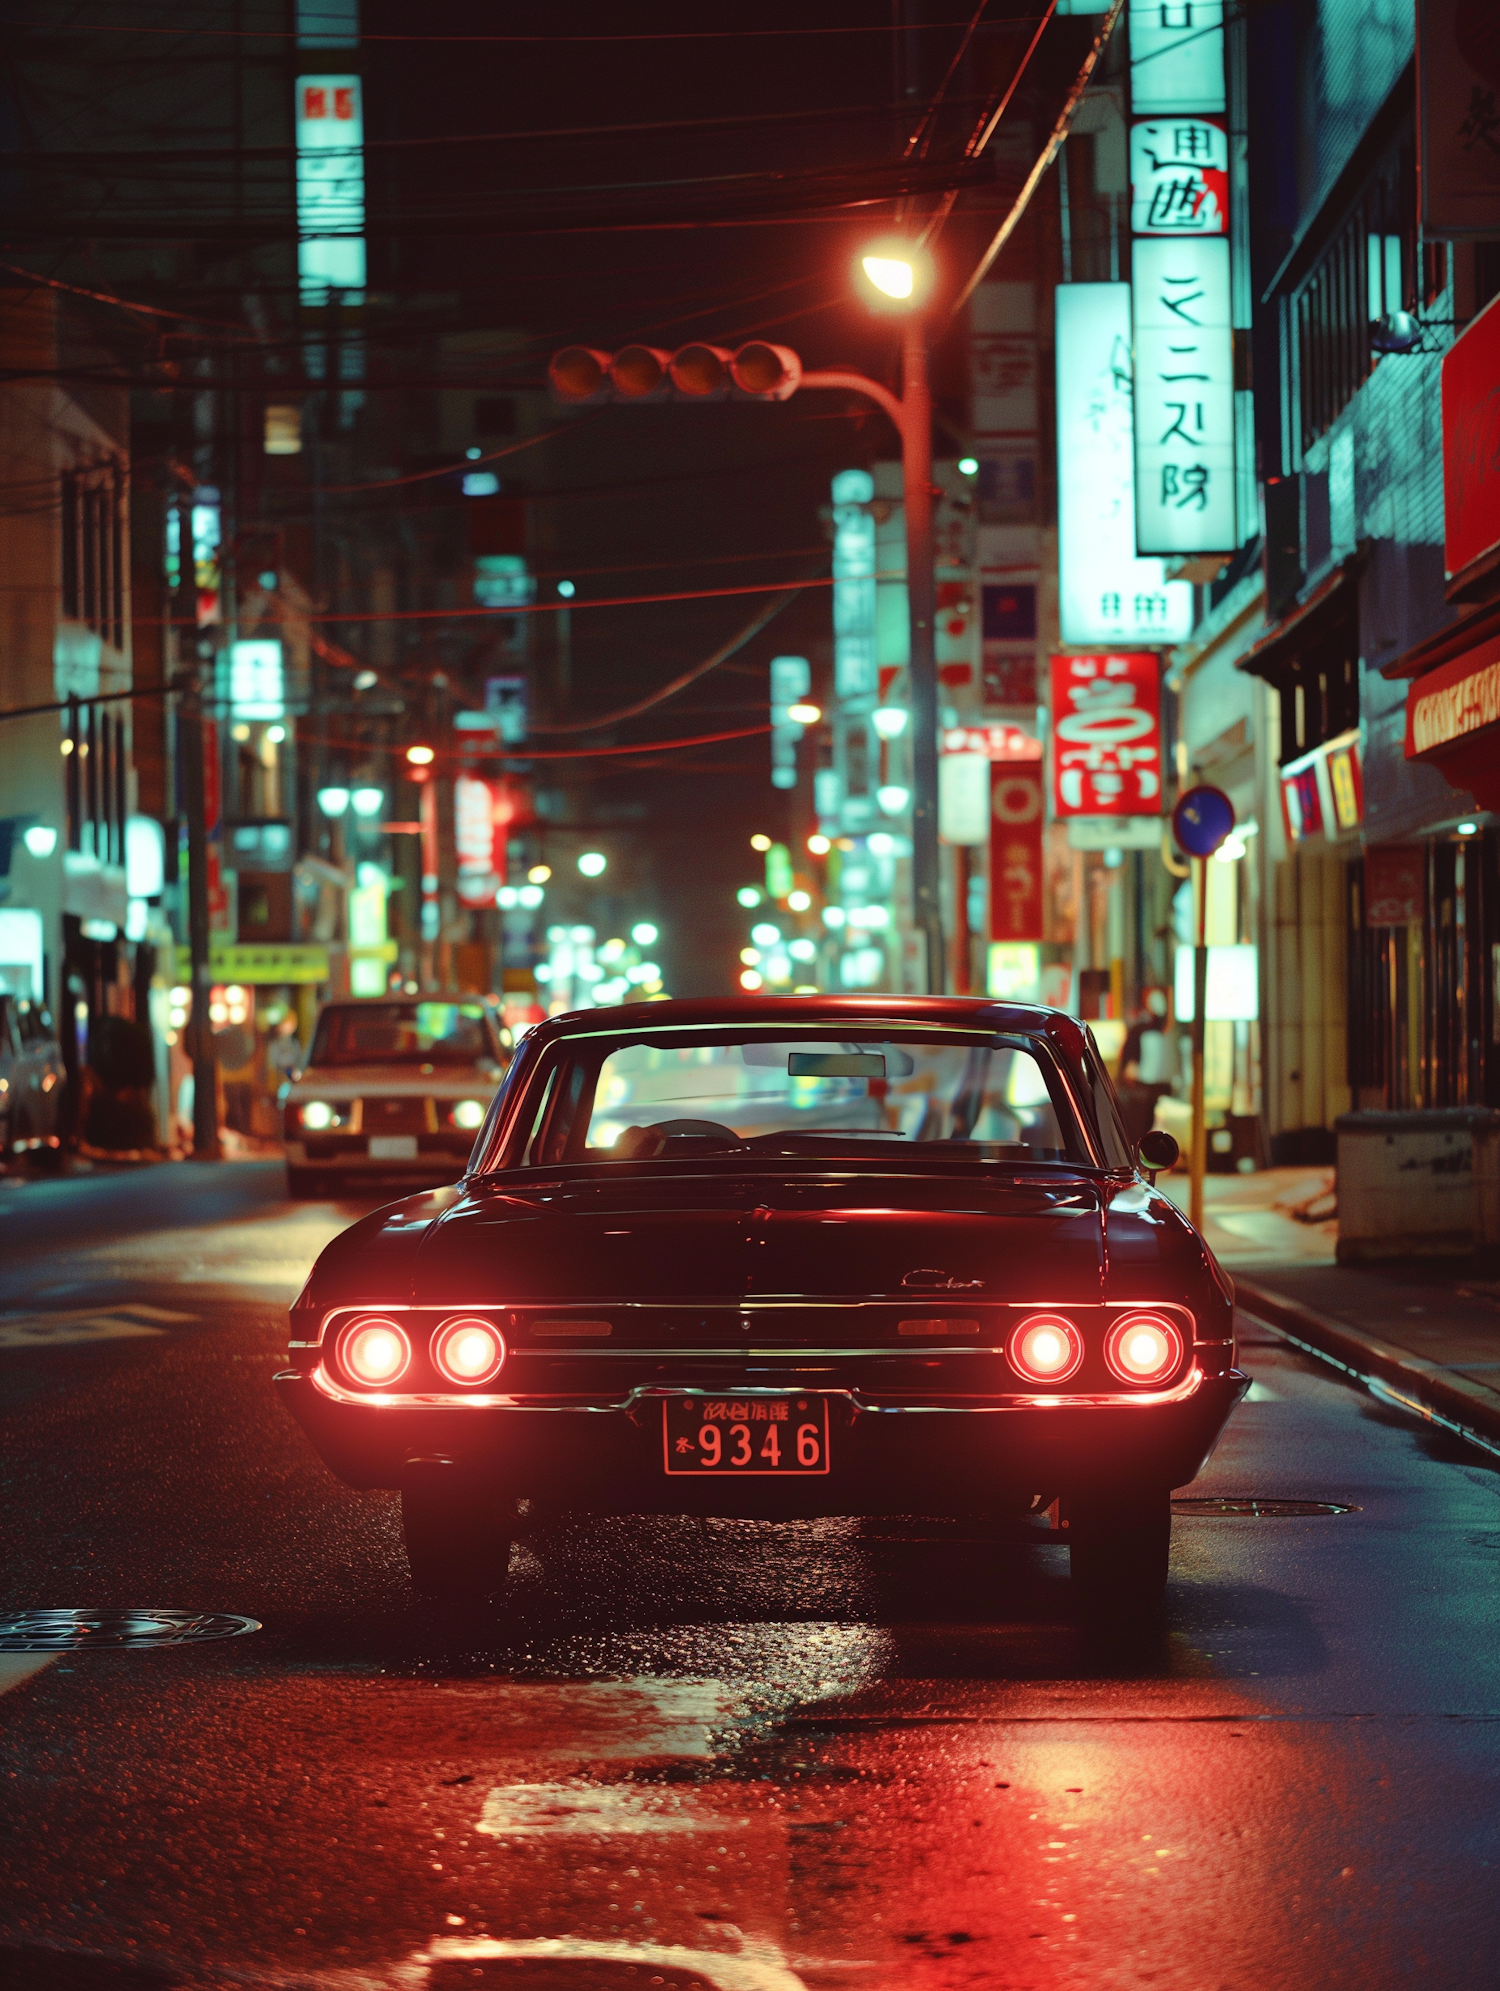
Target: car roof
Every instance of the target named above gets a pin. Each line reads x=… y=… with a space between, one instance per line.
x=800 y=1012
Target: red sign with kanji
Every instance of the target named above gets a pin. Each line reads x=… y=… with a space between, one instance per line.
x=1016 y=820
x=1106 y=735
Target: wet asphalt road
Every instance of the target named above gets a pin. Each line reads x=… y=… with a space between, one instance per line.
x=837 y=1756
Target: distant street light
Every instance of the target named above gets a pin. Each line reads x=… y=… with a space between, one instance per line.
x=420 y=756
x=593 y=863
x=333 y=801
x=805 y=714
x=644 y=934
x=368 y=801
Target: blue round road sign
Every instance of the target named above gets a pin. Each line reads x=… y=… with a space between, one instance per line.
x=1202 y=820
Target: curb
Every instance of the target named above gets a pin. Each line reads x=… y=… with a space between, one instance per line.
x=1427 y=1389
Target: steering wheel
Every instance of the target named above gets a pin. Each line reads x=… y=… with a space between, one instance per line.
x=674 y=1130
x=646 y=1143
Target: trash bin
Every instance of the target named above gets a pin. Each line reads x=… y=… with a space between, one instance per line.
x=1408 y=1182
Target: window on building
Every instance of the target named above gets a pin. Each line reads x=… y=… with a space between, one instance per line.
x=1369 y=270
x=93 y=551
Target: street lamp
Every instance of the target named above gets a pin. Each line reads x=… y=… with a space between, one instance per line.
x=333 y=801
x=592 y=863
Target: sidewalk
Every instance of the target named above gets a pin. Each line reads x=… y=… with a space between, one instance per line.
x=1424 y=1332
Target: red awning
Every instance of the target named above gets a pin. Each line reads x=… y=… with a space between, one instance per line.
x=1453 y=720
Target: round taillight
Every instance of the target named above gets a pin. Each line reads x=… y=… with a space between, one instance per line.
x=375 y=1351
x=1045 y=1348
x=1143 y=1348
x=468 y=1351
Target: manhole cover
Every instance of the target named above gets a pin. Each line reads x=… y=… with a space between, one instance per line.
x=73 y=1631
x=1261 y=1510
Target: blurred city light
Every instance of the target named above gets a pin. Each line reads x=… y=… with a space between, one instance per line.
x=750 y=979
x=890 y=721
x=749 y=895
x=539 y=873
x=368 y=801
x=799 y=901
x=644 y=934
x=765 y=935
x=592 y=863
x=805 y=715
x=819 y=845
x=333 y=801
x=420 y=756
x=760 y=842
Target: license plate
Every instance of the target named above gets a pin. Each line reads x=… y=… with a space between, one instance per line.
x=393 y=1147
x=745 y=1437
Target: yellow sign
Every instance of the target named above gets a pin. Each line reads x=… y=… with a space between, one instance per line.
x=259 y=963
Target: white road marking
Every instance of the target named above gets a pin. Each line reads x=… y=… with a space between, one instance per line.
x=524 y=1811
x=757 y=1968
x=18 y=1667
x=123 y=1323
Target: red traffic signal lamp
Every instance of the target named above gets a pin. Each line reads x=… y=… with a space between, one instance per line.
x=582 y=376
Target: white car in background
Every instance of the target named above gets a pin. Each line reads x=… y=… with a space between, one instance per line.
x=394 y=1090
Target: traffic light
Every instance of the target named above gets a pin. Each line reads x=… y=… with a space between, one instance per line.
x=582 y=376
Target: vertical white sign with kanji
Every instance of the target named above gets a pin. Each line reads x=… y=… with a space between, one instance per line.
x=1106 y=592
x=1184 y=396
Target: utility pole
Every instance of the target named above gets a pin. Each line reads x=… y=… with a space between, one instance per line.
x=200 y=1029
x=921 y=595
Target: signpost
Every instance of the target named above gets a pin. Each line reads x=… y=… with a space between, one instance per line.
x=1201 y=822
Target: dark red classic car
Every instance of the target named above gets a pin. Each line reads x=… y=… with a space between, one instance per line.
x=780 y=1258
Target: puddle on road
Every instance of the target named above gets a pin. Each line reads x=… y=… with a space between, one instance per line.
x=515 y=1811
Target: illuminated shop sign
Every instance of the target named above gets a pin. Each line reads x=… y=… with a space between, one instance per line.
x=1017 y=818
x=791 y=680
x=1179 y=177
x=1184 y=395
x=1106 y=735
x=1322 y=792
x=257 y=680
x=1176 y=55
x=853 y=584
x=330 y=186
x=481 y=818
x=1107 y=593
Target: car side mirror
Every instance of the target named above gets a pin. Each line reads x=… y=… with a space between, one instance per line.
x=1157 y=1150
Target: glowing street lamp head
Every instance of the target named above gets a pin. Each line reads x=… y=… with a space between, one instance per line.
x=891 y=276
x=895 y=275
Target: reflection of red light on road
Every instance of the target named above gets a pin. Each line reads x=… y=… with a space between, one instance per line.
x=1045 y=1348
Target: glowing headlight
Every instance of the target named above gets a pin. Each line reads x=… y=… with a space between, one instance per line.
x=468 y=1351
x=317 y=1114
x=468 y=1113
x=375 y=1351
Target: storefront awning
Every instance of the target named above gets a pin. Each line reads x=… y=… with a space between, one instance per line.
x=1278 y=651
x=1453 y=721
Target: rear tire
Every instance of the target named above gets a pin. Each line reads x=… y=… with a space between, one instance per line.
x=458 y=1538
x=1119 y=1548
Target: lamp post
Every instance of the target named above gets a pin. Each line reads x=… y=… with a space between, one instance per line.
x=897 y=276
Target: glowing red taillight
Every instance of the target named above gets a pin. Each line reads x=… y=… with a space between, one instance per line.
x=375 y=1351
x=468 y=1351
x=1143 y=1348
x=1045 y=1348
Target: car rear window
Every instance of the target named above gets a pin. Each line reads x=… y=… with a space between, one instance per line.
x=417 y=1033
x=611 y=1099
